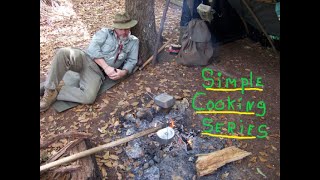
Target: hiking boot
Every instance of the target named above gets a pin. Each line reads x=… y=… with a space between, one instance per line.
x=42 y=88
x=48 y=98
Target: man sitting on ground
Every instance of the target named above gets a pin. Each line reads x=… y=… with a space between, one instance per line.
x=112 y=53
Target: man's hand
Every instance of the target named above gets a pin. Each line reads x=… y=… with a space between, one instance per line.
x=118 y=73
x=109 y=70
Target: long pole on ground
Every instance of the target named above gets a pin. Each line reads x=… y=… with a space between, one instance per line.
x=98 y=149
x=163 y=18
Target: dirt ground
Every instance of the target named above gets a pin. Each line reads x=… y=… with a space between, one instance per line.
x=236 y=59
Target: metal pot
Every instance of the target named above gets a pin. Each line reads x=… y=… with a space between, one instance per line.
x=165 y=135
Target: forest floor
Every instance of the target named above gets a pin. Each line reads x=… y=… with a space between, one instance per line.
x=72 y=23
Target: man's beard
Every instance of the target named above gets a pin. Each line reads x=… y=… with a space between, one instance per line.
x=123 y=38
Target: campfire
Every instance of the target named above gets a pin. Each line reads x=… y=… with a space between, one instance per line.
x=162 y=143
x=173 y=146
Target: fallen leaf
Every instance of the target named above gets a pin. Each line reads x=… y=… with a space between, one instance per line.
x=186 y=95
x=270 y=166
x=107 y=140
x=118 y=151
x=263 y=153
x=108 y=164
x=177 y=97
x=115 y=110
x=64 y=141
x=135 y=103
x=111 y=96
x=104 y=172
x=136 y=164
x=105 y=101
x=260 y=172
x=50 y=118
x=275 y=135
x=163 y=80
x=84 y=120
x=114 y=157
x=121 y=166
x=121 y=103
x=148 y=89
x=74 y=127
x=150 y=103
x=104 y=128
x=225 y=175
x=268 y=138
x=116 y=123
x=55 y=145
x=119 y=176
x=115 y=164
x=245 y=145
x=106 y=155
x=253 y=159
x=274 y=148
x=262 y=159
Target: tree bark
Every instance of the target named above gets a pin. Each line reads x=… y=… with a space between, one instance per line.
x=89 y=167
x=145 y=30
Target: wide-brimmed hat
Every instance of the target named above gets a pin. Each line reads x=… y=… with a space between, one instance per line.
x=123 y=21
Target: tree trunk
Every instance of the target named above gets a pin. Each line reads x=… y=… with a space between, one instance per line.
x=145 y=30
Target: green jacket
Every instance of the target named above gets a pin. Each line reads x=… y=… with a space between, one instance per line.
x=104 y=44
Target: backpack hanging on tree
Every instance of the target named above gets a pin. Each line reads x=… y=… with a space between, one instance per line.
x=196 y=45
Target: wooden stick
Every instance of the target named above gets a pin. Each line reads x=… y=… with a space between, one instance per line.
x=163 y=19
x=97 y=149
x=207 y=164
x=150 y=58
x=260 y=25
x=44 y=144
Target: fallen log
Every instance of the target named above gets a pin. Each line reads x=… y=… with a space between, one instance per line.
x=88 y=165
x=98 y=149
x=67 y=169
x=208 y=163
x=82 y=169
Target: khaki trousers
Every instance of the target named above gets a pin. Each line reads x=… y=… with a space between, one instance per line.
x=75 y=60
